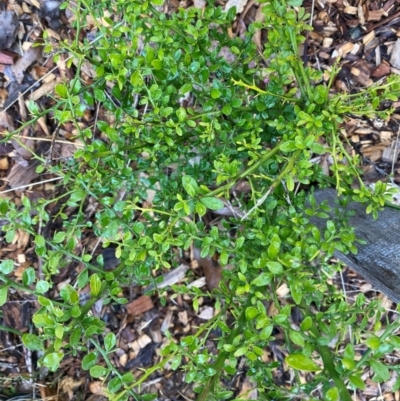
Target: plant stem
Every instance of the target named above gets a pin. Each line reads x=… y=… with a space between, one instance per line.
x=219 y=364
x=245 y=173
x=329 y=364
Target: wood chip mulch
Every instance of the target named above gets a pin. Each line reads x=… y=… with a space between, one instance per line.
x=366 y=35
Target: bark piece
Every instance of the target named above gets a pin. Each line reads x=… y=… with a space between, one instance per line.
x=16 y=315
x=382 y=70
x=7 y=57
x=140 y=305
x=377 y=260
x=395 y=56
x=172 y=277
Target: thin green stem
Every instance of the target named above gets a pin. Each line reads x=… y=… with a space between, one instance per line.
x=223 y=355
x=327 y=359
x=246 y=172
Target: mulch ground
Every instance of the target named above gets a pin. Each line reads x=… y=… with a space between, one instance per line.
x=366 y=37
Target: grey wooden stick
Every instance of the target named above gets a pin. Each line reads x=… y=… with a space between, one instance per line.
x=377 y=260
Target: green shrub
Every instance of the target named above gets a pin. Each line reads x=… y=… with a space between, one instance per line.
x=190 y=125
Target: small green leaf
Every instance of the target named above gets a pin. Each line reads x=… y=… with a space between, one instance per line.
x=290 y=182
x=227 y=109
x=275 y=267
x=114 y=385
x=110 y=341
x=127 y=378
x=288 y=146
x=373 y=342
x=95 y=284
x=61 y=91
x=296 y=293
x=381 y=371
x=52 y=360
x=296 y=337
x=262 y=279
x=42 y=286
x=348 y=363
x=200 y=209
x=332 y=394
x=302 y=362
x=32 y=342
x=29 y=276
x=7 y=266
x=251 y=312
x=190 y=185
x=98 y=371
x=176 y=362
x=3 y=295
x=356 y=381
x=201 y=358
x=75 y=336
x=212 y=203
x=59 y=331
x=215 y=93
x=40 y=241
x=306 y=324
x=240 y=351
x=89 y=361
x=59 y=237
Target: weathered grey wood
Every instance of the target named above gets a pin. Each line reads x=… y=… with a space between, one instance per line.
x=378 y=261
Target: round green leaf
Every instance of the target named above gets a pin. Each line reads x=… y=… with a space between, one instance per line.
x=98 y=371
x=212 y=203
x=32 y=342
x=42 y=286
x=251 y=312
x=114 y=385
x=373 y=342
x=29 y=276
x=356 y=381
x=262 y=279
x=215 y=93
x=275 y=267
x=52 y=360
x=200 y=209
x=89 y=361
x=95 y=284
x=7 y=266
x=110 y=341
x=302 y=362
x=332 y=394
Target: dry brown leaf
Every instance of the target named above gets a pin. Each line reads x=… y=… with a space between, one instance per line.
x=260 y=17
x=16 y=315
x=212 y=272
x=8 y=28
x=32 y=54
x=21 y=176
x=97 y=388
x=68 y=385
